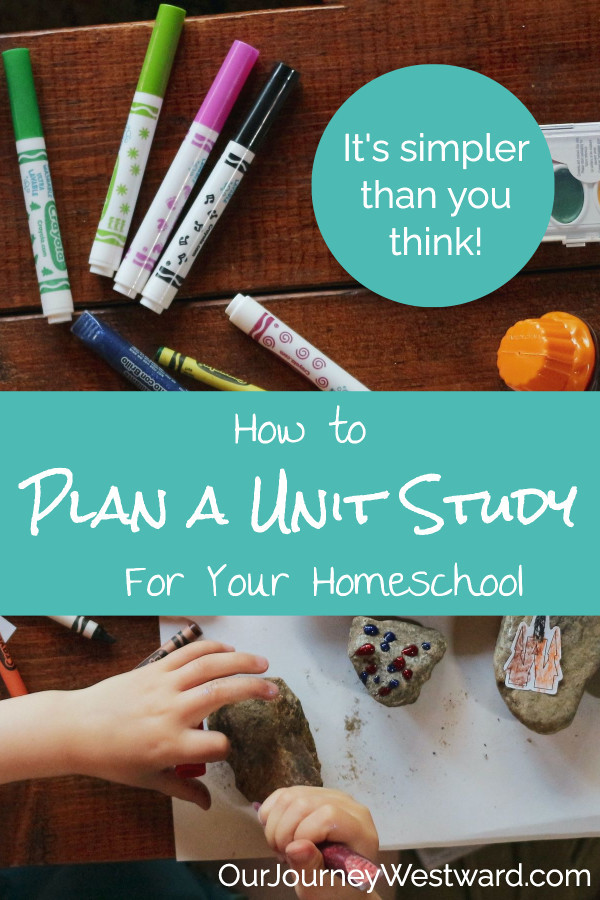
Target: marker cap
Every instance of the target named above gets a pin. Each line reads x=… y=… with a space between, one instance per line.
x=269 y=102
x=242 y=311
x=553 y=353
x=21 y=91
x=227 y=85
x=161 y=50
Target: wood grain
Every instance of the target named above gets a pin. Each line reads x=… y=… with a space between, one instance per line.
x=539 y=52
x=384 y=344
x=63 y=820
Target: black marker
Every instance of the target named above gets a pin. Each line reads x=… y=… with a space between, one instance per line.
x=211 y=202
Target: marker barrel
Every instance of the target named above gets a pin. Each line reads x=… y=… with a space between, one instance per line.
x=134 y=151
x=197 y=226
x=46 y=241
x=124 y=358
x=269 y=331
x=216 y=193
x=184 y=171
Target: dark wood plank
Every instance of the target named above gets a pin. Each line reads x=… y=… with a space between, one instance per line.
x=21 y=15
x=399 y=348
x=64 y=820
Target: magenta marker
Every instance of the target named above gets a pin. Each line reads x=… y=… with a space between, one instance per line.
x=177 y=184
x=266 y=329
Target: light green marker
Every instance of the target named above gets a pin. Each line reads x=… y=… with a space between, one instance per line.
x=46 y=243
x=128 y=172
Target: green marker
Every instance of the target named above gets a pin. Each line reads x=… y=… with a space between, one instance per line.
x=46 y=243
x=128 y=172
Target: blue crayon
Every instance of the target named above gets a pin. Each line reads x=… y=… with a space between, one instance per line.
x=124 y=358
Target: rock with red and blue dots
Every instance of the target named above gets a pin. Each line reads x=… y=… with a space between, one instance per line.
x=394 y=658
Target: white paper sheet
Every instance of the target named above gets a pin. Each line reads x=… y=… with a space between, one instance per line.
x=455 y=768
x=7 y=629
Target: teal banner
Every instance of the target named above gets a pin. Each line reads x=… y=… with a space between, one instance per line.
x=348 y=503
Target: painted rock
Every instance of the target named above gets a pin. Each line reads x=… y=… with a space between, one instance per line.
x=271 y=744
x=541 y=672
x=394 y=659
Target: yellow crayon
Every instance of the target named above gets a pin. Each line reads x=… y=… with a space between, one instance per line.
x=170 y=359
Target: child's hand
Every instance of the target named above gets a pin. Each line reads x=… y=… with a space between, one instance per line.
x=296 y=819
x=139 y=725
x=136 y=727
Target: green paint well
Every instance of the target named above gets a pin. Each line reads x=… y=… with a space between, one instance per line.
x=568 y=197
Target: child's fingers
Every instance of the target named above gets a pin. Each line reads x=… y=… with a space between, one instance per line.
x=208 y=698
x=183 y=788
x=196 y=649
x=263 y=809
x=312 y=798
x=271 y=822
x=202 y=746
x=218 y=665
x=337 y=823
x=284 y=819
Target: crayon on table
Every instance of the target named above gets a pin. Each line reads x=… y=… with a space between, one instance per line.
x=130 y=166
x=283 y=341
x=201 y=372
x=10 y=674
x=124 y=358
x=184 y=171
x=46 y=242
x=217 y=191
x=86 y=627
x=190 y=633
x=187 y=635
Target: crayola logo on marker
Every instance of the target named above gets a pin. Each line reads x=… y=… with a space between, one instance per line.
x=56 y=248
x=169 y=276
x=203 y=142
x=144 y=109
x=236 y=162
x=261 y=326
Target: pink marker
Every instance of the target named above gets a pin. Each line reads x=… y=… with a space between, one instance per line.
x=177 y=184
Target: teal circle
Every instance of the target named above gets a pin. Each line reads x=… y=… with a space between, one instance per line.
x=431 y=103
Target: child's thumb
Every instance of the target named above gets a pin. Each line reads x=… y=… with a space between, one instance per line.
x=303 y=856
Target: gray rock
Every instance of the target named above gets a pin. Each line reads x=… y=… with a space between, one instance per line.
x=392 y=658
x=271 y=744
x=548 y=713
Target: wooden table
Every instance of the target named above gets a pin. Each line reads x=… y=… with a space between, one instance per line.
x=274 y=251
x=66 y=820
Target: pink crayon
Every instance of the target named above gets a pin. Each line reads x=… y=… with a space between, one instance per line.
x=183 y=172
x=339 y=856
